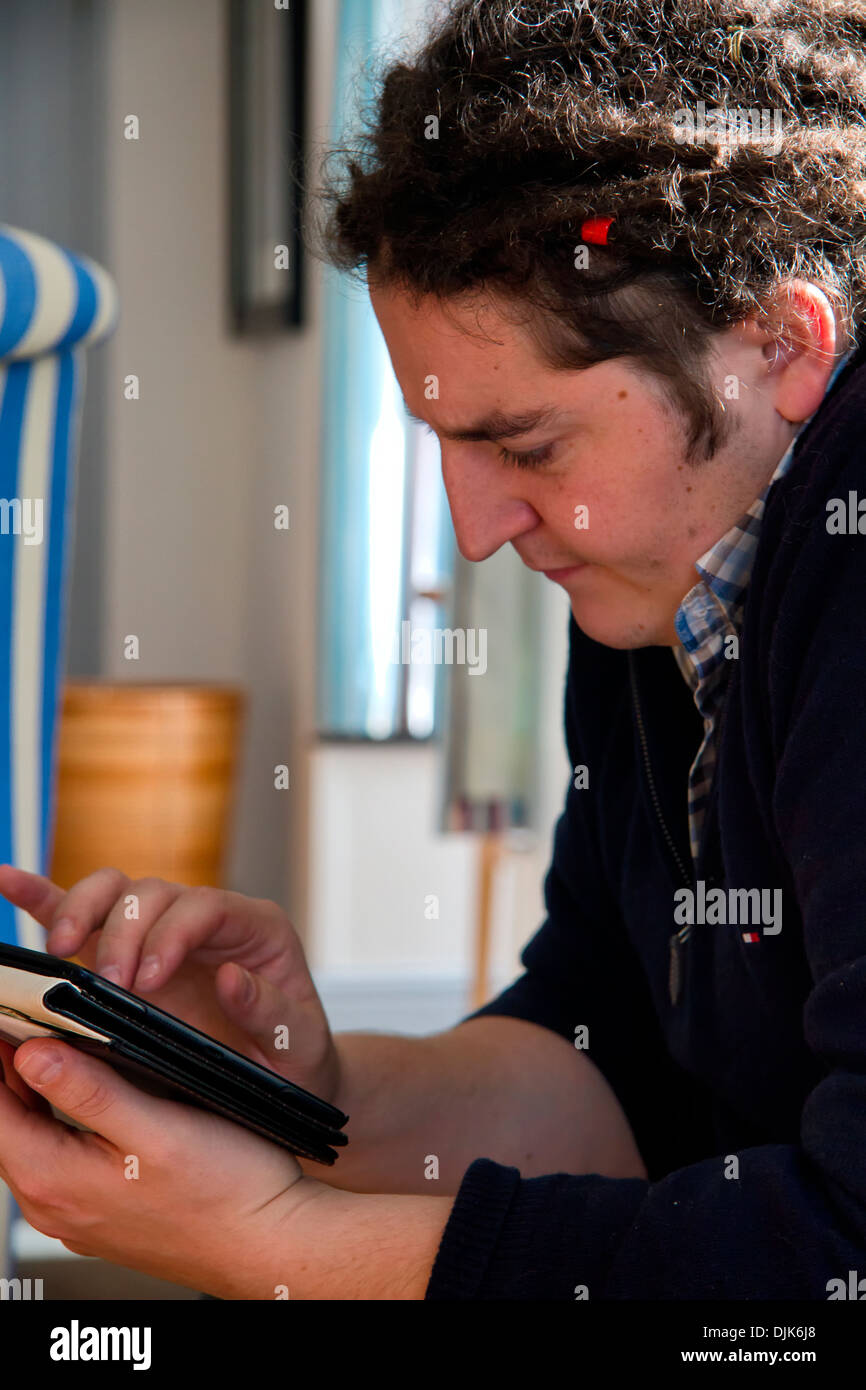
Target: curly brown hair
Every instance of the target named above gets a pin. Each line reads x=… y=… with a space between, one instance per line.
x=550 y=113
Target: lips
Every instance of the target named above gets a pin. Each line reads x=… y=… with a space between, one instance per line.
x=565 y=573
x=557 y=572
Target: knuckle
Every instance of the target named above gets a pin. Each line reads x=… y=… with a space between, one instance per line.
x=82 y=892
x=32 y=1188
x=108 y=876
x=118 y=919
x=148 y=886
x=205 y=898
x=88 y=1099
x=276 y=918
x=273 y=917
x=41 y=1217
x=35 y=1189
x=149 y=893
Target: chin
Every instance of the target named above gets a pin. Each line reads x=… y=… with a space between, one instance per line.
x=616 y=628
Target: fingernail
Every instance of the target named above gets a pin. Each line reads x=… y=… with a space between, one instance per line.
x=148 y=970
x=111 y=972
x=41 y=1065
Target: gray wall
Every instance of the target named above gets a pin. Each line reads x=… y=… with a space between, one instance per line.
x=52 y=181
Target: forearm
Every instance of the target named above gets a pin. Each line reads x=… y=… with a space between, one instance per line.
x=421 y=1109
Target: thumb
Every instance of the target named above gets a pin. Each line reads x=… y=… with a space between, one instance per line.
x=291 y=1036
x=89 y=1092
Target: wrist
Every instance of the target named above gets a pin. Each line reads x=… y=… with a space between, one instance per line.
x=338 y=1245
x=270 y=1249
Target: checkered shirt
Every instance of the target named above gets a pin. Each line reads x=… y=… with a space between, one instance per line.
x=708 y=623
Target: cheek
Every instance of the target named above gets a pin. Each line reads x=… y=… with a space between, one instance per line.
x=639 y=495
x=584 y=484
x=639 y=540
x=608 y=515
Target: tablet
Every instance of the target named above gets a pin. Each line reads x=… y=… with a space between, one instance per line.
x=45 y=996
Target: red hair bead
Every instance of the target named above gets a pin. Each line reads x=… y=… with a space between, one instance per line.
x=595 y=230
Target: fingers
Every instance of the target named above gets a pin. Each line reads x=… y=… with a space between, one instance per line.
x=70 y=916
x=150 y=927
x=119 y=947
x=83 y=909
x=125 y=910
x=36 y=895
x=229 y=925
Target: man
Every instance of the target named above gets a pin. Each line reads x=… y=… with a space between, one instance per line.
x=639 y=321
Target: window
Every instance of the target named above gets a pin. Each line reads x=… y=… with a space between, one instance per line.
x=386 y=541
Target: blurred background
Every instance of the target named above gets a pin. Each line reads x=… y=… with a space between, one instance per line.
x=252 y=523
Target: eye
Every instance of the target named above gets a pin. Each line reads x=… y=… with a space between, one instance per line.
x=527 y=460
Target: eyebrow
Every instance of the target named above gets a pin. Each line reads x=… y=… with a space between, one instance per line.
x=496 y=425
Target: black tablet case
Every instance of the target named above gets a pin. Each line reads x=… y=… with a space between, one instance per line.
x=46 y=996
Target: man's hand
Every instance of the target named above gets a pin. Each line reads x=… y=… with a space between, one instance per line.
x=230 y=965
x=145 y=1189
x=187 y=1196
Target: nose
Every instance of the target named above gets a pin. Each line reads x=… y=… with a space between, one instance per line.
x=487 y=508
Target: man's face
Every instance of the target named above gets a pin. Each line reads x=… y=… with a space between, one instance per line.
x=525 y=448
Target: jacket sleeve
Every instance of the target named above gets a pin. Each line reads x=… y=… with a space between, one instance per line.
x=796 y=1217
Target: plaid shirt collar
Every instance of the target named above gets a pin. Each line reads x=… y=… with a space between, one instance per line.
x=712 y=611
x=708 y=623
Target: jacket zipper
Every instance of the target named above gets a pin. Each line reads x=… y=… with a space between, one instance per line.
x=677 y=940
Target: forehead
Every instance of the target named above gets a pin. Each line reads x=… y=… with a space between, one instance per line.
x=475 y=325
x=482 y=354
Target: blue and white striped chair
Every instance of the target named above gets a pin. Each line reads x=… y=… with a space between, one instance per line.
x=53 y=305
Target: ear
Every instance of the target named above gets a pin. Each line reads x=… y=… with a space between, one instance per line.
x=801 y=347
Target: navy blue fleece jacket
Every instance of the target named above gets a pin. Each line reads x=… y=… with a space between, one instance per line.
x=762 y=1053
